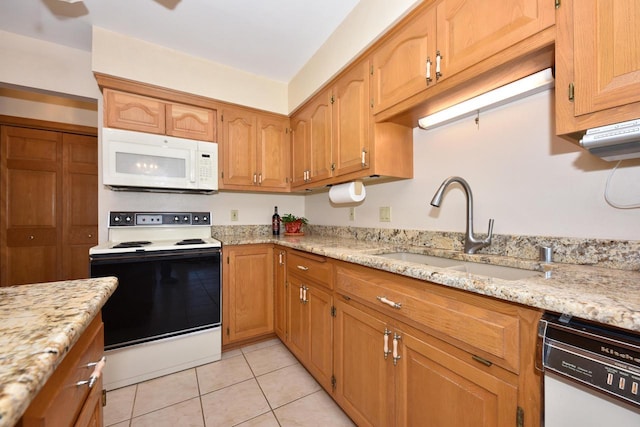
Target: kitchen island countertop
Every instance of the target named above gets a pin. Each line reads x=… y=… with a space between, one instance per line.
x=39 y=324
x=603 y=295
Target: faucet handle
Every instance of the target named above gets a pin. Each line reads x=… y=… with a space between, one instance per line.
x=490 y=232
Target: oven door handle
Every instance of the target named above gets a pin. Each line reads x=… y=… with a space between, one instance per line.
x=153 y=255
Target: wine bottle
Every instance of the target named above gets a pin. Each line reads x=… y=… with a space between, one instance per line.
x=275 y=222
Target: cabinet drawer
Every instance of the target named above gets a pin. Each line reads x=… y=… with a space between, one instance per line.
x=60 y=401
x=310 y=267
x=482 y=326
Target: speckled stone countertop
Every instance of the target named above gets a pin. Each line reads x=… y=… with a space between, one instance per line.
x=39 y=323
x=604 y=295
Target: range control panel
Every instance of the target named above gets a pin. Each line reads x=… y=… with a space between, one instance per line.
x=130 y=219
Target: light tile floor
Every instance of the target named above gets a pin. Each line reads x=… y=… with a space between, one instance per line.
x=258 y=385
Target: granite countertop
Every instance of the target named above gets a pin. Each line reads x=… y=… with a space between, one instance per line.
x=39 y=323
x=603 y=295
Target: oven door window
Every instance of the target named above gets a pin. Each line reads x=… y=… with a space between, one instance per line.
x=159 y=295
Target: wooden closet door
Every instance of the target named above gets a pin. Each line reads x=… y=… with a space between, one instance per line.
x=80 y=203
x=30 y=196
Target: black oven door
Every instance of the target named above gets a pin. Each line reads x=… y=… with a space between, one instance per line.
x=160 y=294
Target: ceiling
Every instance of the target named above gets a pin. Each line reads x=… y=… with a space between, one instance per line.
x=270 y=38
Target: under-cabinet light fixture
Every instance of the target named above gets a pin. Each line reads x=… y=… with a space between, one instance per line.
x=519 y=89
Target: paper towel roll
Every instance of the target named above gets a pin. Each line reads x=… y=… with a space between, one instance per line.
x=351 y=192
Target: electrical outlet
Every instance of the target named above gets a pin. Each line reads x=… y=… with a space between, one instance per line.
x=234 y=215
x=385 y=214
x=352 y=214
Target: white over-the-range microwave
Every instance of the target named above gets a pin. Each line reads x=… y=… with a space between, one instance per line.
x=137 y=161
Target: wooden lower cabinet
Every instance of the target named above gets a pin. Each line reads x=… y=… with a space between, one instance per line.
x=436 y=388
x=414 y=379
x=280 y=323
x=310 y=328
x=247 y=293
x=442 y=357
x=62 y=402
x=364 y=377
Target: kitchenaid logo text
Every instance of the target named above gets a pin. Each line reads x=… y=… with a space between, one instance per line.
x=616 y=353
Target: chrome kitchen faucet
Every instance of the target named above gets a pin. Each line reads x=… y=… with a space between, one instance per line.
x=471 y=243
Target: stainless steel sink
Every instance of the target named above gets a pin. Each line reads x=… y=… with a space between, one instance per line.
x=489 y=270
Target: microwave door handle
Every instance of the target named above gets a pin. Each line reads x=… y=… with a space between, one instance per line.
x=193 y=166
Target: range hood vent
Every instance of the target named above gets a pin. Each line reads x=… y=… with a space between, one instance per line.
x=619 y=141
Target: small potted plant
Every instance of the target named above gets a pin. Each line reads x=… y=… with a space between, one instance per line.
x=293 y=224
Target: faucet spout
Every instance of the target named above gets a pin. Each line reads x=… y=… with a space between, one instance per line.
x=471 y=242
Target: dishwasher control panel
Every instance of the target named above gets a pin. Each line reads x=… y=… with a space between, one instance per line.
x=595 y=356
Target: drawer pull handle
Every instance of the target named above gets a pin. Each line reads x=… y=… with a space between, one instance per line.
x=390 y=303
x=396 y=357
x=303 y=268
x=304 y=295
x=386 y=343
x=301 y=299
x=482 y=360
x=95 y=375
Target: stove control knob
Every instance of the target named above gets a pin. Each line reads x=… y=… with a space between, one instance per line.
x=205 y=219
x=127 y=219
x=185 y=219
x=117 y=219
x=176 y=218
x=196 y=218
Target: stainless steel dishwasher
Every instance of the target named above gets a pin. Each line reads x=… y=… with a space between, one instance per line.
x=591 y=374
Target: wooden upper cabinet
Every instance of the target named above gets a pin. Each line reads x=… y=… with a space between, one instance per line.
x=598 y=55
x=238 y=147
x=400 y=63
x=273 y=153
x=133 y=112
x=470 y=31
x=255 y=151
x=300 y=149
x=448 y=38
x=311 y=141
x=145 y=114
x=351 y=121
x=187 y=121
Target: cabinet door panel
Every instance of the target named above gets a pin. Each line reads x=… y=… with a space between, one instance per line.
x=364 y=377
x=472 y=30
x=320 y=145
x=31 y=216
x=320 y=358
x=248 y=294
x=280 y=295
x=300 y=163
x=351 y=122
x=187 y=121
x=80 y=202
x=134 y=112
x=430 y=379
x=274 y=151
x=607 y=52
x=399 y=65
x=239 y=149
x=298 y=341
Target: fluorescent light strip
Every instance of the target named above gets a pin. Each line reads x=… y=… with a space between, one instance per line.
x=519 y=89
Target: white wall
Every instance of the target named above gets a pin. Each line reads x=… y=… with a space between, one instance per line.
x=46 y=66
x=138 y=60
x=366 y=22
x=528 y=180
